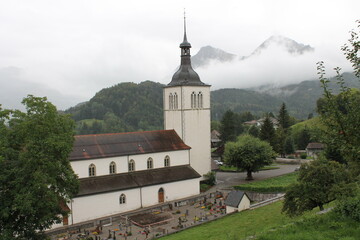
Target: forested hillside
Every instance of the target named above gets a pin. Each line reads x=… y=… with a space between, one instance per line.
x=133 y=107
x=122 y=108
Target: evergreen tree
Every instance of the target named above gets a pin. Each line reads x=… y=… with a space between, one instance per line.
x=227 y=127
x=280 y=137
x=283 y=117
x=289 y=145
x=303 y=139
x=254 y=131
x=267 y=132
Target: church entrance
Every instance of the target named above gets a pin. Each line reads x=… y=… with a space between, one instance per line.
x=161 y=195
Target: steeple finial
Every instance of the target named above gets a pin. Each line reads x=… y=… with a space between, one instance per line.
x=185 y=42
x=185 y=38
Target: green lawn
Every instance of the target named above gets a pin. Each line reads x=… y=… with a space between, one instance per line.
x=267 y=223
x=321 y=227
x=275 y=184
x=234 y=169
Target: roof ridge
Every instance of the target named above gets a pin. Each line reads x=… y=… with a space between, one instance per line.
x=120 y=133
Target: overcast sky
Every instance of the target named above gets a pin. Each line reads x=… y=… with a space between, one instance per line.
x=70 y=49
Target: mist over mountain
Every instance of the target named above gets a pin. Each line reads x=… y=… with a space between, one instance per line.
x=14 y=88
x=287 y=44
x=208 y=54
x=277 y=61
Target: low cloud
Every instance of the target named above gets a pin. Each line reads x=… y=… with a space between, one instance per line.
x=274 y=66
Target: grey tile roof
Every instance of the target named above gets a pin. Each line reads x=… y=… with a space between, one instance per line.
x=234 y=198
x=315 y=145
x=123 y=181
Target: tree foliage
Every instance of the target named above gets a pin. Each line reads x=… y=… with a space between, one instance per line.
x=122 y=108
x=36 y=178
x=231 y=125
x=283 y=117
x=322 y=181
x=316 y=186
x=341 y=113
x=248 y=153
x=267 y=132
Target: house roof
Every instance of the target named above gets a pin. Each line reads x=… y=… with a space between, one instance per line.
x=122 y=144
x=234 y=198
x=315 y=146
x=215 y=135
x=129 y=180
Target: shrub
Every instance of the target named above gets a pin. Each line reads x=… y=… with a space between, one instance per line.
x=303 y=156
x=350 y=208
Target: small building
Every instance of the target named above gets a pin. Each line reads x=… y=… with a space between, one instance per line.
x=260 y=122
x=215 y=139
x=298 y=153
x=237 y=201
x=313 y=149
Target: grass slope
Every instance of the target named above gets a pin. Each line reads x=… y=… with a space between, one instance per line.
x=238 y=225
x=267 y=223
x=275 y=184
x=321 y=227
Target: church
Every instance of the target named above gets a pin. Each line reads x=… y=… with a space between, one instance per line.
x=120 y=172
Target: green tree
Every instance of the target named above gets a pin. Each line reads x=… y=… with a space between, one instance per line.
x=341 y=113
x=215 y=125
x=289 y=145
x=36 y=178
x=254 y=131
x=303 y=139
x=267 y=132
x=283 y=117
x=227 y=127
x=317 y=185
x=248 y=153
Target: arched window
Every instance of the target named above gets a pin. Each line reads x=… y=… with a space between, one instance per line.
x=167 y=161
x=193 y=100
x=200 y=99
x=131 y=165
x=122 y=199
x=150 y=163
x=112 y=168
x=92 y=170
x=171 y=103
x=175 y=101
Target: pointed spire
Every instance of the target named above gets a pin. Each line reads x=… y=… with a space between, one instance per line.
x=185 y=42
x=185 y=75
x=185 y=38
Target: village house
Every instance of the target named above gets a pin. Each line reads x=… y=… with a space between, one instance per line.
x=314 y=149
x=237 y=201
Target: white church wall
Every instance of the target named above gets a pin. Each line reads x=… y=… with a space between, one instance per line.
x=180 y=157
x=100 y=205
x=172 y=191
x=81 y=167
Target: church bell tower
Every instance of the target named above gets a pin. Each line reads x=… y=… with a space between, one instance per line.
x=187 y=110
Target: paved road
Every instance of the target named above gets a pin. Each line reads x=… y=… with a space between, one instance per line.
x=229 y=179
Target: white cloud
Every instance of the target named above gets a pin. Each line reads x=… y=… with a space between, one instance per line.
x=79 y=47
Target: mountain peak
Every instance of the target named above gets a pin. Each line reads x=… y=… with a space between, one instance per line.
x=209 y=53
x=291 y=46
